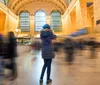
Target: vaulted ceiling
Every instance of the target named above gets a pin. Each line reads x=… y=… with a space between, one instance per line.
x=18 y=5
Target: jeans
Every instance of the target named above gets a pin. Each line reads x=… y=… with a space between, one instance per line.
x=47 y=64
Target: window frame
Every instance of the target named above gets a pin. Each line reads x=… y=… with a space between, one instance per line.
x=60 y=28
x=38 y=21
x=24 y=21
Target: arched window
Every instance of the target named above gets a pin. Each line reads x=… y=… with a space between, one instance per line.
x=40 y=20
x=24 y=21
x=56 y=23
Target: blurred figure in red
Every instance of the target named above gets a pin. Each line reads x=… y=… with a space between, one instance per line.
x=11 y=55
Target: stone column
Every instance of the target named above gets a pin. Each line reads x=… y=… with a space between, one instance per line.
x=48 y=19
x=81 y=14
x=32 y=30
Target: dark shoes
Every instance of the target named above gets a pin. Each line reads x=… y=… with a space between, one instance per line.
x=41 y=81
x=49 y=81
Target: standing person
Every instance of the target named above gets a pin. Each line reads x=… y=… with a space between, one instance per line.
x=11 y=55
x=47 y=35
x=81 y=47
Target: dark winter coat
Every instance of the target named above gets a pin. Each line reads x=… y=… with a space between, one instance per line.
x=47 y=49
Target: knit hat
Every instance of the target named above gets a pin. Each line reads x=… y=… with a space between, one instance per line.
x=46 y=26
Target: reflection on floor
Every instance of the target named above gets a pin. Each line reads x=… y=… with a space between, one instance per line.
x=84 y=71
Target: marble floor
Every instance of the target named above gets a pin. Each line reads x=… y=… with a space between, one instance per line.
x=84 y=71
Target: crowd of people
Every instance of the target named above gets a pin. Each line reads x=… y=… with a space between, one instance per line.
x=73 y=46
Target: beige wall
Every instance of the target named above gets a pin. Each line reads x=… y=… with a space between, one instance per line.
x=90 y=19
x=83 y=10
x=79 y=17
x=67 y=25
x=11 y=23
x=2 y=21
x=33 y=7
x=97 y=14
x=73 y=20
x=10 y=20
x=76 y=17
x=32 y=25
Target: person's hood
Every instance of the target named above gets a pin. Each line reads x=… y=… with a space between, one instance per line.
x=46 y=30
x=45 y=33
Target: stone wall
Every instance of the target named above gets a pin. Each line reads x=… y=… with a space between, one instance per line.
x=97 y=12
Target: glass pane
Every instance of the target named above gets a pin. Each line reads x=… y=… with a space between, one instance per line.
x=56 y=21
x=24 y=21
x=40 y=20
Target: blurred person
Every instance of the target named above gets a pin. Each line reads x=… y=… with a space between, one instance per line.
x=81 y=46
x=76 y=46
x=78 y=43
x=58 y=45
x=1 y=55
x=81 y=42
x=47 y=35
x=11 y=55
x=69 y=49
x=92 y=44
